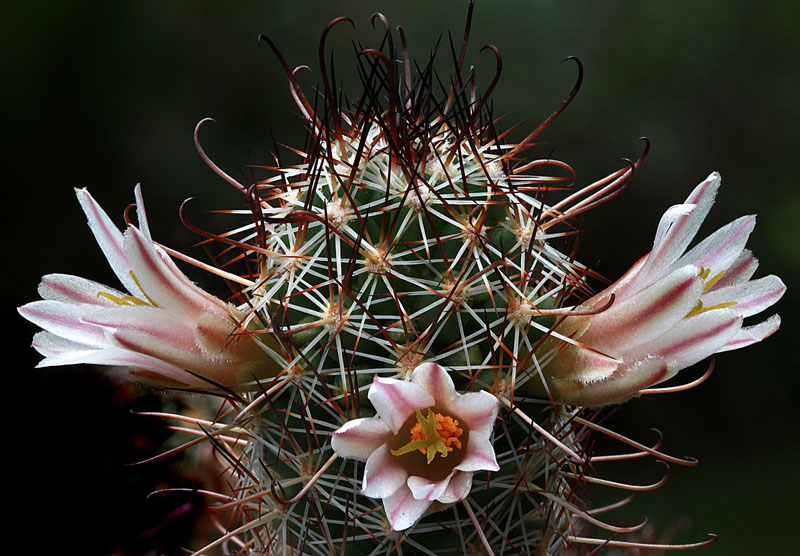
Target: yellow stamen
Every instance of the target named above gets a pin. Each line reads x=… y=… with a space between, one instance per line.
x=698 y=309
x=434 y=434
x=138 y=285
x=129 y=299
x=714 y=279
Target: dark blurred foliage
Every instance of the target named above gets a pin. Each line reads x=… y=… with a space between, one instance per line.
x=106 y=94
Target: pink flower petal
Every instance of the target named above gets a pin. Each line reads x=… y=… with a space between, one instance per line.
x=458 y=488
x=141 y=214
x=397 y=400
x=76 y=290
x=480 y=454
x=740 y=271
x=697 y=338
x=646 y=314
x=114 y=357
x=49 y=344
x=477 y=410
x=382 y=475
x=403 y=510
x=719 y=250
x=425 y=489
x=108 y=237
x=749 y=335
x=162 y=282
x=751 y=297
x=357 y=439
x=434 y=380
x=678 y=227
x=65 y=320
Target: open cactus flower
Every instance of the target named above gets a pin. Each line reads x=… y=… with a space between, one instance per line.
x=424 y=445
x=669 y=311
x=163 y=326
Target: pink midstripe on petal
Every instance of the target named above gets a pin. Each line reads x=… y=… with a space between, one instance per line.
x=163 y=283
x=397 y=400
x=357 y=439
x=108 y=237
x=749 y=335
x=722 y=248
x=751 y=297
x=76 y=290
x=697 y=338
x=435 y=380
x=646 y=314
x=477 y=410
x=382 y=475
x=480 y=454
x=64 y=319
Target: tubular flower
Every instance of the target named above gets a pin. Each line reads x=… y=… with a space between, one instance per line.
x=669 y=311
x=423 y=446
x=161 y=328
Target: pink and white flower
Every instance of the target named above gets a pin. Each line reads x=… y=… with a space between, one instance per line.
x=397 y=470
x=164 y=326
x=670 y=310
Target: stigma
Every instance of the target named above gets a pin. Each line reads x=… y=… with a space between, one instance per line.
x=431 y=435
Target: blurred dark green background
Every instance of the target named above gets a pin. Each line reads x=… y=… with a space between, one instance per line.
x=106 y=94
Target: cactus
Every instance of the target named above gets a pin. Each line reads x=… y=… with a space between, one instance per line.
x=409 y=238
x=409 y=232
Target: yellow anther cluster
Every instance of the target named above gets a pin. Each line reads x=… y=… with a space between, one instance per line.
x=434 y=434
x=447 y=429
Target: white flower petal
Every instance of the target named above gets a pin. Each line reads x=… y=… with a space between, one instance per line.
x=121 y=358
x=749 y=335
x=740 y=271
x=435 y=381
x=697 y=338
x=479 y=454
x=357 y=439
x=477 y=410
x=751 y=297
x=623 y=384
x=719 y=250
x=677 y=228
x=51 y=345
x=382 y=475
x=425 y=489
x=162 y=282
x=397 y=400
x=76 y=290
x=403 y=510
x=109 y=238
x=458 y=488
x=65 y=320
x=647 y=313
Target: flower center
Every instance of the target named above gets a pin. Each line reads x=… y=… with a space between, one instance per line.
x=434 y=434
